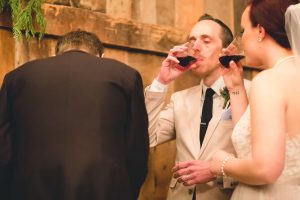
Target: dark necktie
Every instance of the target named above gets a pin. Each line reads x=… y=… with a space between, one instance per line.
x=206 y=113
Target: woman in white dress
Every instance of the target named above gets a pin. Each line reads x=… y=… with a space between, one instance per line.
x=267 y=133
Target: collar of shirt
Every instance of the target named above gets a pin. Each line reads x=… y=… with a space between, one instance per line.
x=216 y=86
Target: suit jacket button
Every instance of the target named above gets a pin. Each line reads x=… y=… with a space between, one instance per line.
x=191 y=191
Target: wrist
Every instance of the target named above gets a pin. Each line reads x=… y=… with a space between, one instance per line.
x=223 y=164
x=161 y=80
x=236 y=90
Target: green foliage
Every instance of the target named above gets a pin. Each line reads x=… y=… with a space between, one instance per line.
x=225 y=94
x=24 y=15
x=2 y=4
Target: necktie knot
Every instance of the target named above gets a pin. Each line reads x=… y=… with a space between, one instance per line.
x=209 y=93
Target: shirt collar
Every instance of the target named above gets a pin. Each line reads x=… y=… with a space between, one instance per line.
x=216 y=86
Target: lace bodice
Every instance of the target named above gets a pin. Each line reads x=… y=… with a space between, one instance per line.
x=241 y=139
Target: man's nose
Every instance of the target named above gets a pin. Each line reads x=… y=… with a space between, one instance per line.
x=197 y=46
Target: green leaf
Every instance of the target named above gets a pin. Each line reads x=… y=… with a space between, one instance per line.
x=25 y=16
x=225 y=94
x=2 y=5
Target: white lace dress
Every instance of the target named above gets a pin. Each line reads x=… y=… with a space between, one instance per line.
x=287 y=186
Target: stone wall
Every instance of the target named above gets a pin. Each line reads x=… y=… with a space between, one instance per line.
x=137 y=32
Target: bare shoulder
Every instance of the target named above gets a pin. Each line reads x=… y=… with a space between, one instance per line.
x=263 y=78
x=265 y=83
x=268 y=76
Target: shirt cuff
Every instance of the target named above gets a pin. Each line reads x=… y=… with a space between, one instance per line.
x=156 y=86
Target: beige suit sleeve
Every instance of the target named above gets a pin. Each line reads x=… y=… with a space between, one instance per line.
x=161 y=118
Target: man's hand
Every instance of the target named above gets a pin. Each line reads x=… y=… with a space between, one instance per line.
x=193 y=172
x=170 y=68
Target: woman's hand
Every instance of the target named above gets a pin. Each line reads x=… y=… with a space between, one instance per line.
x=233 y=75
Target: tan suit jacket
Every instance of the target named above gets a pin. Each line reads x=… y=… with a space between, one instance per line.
x=180 y=120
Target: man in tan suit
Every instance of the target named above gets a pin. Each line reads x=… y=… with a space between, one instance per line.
x=180 y=119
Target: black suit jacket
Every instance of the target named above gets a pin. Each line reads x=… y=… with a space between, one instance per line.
x=72 y=127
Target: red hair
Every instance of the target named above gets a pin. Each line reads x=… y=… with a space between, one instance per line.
x=270 y=15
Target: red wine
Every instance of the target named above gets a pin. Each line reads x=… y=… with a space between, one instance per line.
x=185 y=61
x=225 y=60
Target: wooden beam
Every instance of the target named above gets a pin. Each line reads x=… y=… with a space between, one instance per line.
x=113 y=31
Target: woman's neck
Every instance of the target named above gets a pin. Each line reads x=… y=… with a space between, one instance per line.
x=276 y=55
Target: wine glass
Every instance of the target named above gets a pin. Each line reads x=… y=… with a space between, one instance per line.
x=236 y=50
x=186 y=58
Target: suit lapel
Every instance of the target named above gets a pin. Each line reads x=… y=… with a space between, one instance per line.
x=195 y=102
x=194 y=117
x=212 y=126
x=210 y=130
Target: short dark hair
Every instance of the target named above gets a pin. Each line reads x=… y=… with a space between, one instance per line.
x=79 y=39
x=226 y=35
x=270 y=15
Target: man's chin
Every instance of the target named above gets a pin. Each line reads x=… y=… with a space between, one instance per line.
x=198 y=72
x=196 y=66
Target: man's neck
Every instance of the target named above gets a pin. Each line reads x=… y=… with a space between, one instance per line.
x=82 y=48
x=210 y=80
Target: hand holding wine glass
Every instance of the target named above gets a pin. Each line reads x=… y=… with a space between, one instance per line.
x=234 y=51
x=178 y=61
x=186 y=59
x=232 y=72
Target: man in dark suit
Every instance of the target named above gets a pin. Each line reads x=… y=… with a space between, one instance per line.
x=73 y=126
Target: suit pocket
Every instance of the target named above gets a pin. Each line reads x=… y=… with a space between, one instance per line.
x=226 y=114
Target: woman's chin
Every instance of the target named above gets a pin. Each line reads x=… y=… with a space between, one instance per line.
x=251 y=63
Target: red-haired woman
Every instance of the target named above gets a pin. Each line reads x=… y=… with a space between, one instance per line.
x=267 y=135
